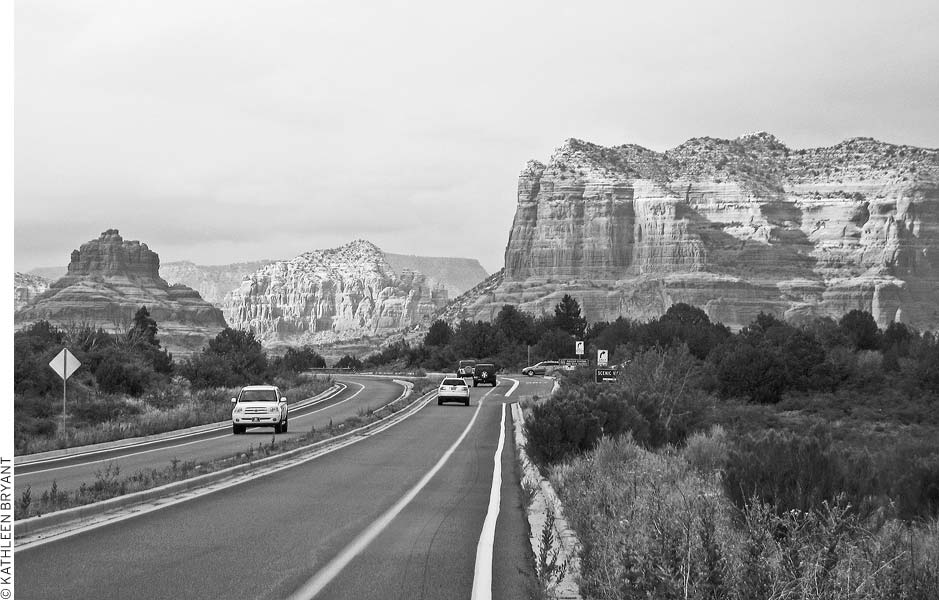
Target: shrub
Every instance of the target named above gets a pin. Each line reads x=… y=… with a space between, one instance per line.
x=861 y=330
x=751 y=371
x=655 y=400
x=707 y=452
x=349 y=362
x=563 y=425
x=122 y=373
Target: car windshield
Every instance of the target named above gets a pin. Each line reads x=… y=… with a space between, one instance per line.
x=453 y=382
x=258 y=396
x=467 y=363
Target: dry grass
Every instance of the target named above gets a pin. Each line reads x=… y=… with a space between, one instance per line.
x=658 y=525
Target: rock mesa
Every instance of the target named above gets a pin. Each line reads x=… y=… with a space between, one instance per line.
x=108 y=280
x=735 y=227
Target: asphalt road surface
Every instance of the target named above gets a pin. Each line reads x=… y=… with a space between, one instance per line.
x=69 y=472
x=400 y=514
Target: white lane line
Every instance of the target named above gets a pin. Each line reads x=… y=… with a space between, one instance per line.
x=324 y=576
x=482 y=578
x=217 y=437
x=313 y=412
x=515 y=385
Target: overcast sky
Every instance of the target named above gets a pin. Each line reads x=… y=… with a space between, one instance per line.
x=226 y=131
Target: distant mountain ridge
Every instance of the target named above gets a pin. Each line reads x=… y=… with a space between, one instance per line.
x=456 y=275
x=26 y=287
x=213 y=282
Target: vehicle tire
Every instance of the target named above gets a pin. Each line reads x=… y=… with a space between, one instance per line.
x=466 y=402
x=278 y=428
x=474 y=383
x=237 y=429
x=439 y=402
x=284 y=428
x=529 y=373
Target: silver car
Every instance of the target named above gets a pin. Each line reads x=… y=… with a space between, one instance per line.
x=545 y=367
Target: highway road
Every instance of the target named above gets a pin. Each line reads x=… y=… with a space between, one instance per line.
x=69 y=472
x=419 y=510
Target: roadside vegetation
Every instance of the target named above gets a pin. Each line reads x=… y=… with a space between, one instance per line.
x=507 y=341
x=776 y=462
x=130 y=386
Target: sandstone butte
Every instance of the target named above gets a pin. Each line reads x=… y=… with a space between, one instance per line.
x=108 y=280
x=735 y=227
x=331 y=295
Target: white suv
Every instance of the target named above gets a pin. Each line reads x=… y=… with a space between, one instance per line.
x=259 y=406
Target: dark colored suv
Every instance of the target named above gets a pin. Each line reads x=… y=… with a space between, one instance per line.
x=484 y=373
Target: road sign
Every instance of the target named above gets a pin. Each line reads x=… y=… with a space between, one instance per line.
x=606 y=375
x=64 y=363
x=602 y=357
x=574 y=362
x=579 y=348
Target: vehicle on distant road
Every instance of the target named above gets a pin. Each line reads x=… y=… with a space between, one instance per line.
x=465 y=368
x=259 y=406
x=484 y=373
x=453 y=389
x=545 y=367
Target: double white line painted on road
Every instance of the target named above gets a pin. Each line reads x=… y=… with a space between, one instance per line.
x=324 y=576
x=482 y=579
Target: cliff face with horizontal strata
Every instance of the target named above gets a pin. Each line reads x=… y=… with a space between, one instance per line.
x=333 y=294
x=108 y=280
x=733 y=226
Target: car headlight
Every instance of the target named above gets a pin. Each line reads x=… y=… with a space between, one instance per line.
x=273 y=409
x=238 y=410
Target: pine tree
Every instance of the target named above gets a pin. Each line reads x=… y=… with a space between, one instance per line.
x=567 y=317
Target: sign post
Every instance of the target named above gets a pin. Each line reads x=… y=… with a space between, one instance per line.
x=64 y=364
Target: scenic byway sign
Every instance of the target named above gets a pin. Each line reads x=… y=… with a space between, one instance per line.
x=606 y=375
x=64 y=363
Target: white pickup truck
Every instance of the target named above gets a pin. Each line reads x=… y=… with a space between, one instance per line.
x=259 y=406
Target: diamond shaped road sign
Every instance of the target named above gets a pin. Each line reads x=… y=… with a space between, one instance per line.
x=64 y=363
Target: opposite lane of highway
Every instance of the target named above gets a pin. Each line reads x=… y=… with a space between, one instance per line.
x=70 y=472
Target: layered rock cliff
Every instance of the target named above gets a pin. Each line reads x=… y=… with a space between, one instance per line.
x=108 y=280
x=333 y=294
x=733 y=226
